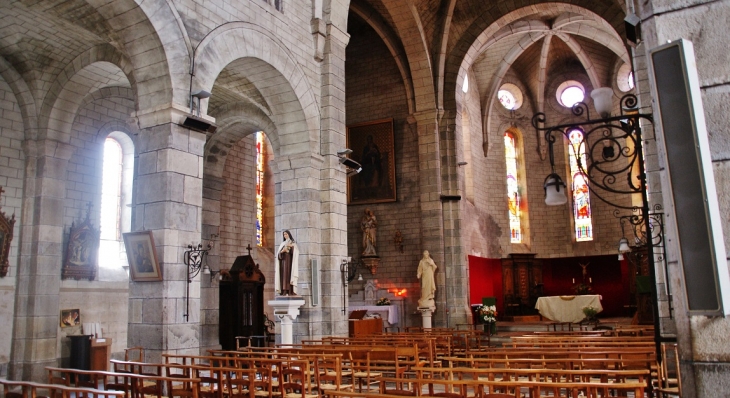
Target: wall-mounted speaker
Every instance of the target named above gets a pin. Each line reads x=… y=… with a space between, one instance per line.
x=632 y=24
x=680 y=122
x=316 y=283
x=199 y=124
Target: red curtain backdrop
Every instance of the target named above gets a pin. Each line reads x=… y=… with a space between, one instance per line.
x=485 y=280
x=610 y=280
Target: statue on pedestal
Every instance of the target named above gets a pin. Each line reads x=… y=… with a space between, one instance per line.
x=286 y=266
x=369 y=226
x=426 y=272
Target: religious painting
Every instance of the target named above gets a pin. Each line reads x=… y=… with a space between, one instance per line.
x=82 y=251
x=70 y=318
x=372 y=146
x=6 y=236
x=142 y=256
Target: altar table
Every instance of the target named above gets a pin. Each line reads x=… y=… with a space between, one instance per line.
x=567 y=308
x=390 y=311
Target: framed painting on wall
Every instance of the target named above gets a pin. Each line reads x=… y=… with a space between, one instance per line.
x=372 y=146
x=70 y=318
x=142 y=256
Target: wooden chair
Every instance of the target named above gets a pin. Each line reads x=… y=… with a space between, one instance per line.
x=669 y=383
x=328 y=369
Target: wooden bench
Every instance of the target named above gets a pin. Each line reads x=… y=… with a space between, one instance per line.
x=29 y=389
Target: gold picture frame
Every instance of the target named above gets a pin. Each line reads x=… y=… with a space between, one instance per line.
x=70 y=318
x=142 y=257
x=6 y=236
x=372 y=146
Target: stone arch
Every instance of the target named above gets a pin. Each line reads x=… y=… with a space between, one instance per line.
x=68 y=91
x=292 y=102
x=471 y=45
x=22 y=94
x=153 y=34
x=417 y=51
x=235 y=122
x=390 y=39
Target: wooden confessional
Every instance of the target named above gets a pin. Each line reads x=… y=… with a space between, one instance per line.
x=241 y=305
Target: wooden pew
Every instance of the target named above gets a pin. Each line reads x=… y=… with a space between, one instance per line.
x=28 y=389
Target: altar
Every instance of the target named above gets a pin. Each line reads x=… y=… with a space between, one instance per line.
x=567 y=308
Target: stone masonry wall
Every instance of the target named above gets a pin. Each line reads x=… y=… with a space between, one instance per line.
x=375 y=91
x=12 y=161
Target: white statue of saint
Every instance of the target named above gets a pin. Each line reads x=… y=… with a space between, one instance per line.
x=426 y=272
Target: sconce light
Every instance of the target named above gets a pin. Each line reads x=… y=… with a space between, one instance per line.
x=554 y=197
x=211 y=273
x=603 y=100
x=193 y=258
x=348 y=268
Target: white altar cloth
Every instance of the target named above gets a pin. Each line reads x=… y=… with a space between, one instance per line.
x=567 y=308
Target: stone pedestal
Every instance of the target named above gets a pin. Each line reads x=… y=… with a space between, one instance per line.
x=286 y=309
x=371 y=263
x=426 y=314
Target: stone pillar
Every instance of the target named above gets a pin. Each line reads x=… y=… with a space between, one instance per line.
x=39 y=270
x=299 y=210
x=286 y=310
x=429 y=184
x=168 y=202
x=329 y=319
x=426 y=314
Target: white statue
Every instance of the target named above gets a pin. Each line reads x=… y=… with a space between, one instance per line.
x=426 y=271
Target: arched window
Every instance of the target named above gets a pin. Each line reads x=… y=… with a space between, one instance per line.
x=581 y=195
x=260 y=162
x=111 y=205
x=513 y=187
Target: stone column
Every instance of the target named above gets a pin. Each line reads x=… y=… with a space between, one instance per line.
x=286 y=310
x=39 y=270
x=330 y=320
x=167 y=201
x=429 y=184
x=299 y=210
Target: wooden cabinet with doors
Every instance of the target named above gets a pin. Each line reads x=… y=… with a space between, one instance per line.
x=241 y=306
x=521 y=283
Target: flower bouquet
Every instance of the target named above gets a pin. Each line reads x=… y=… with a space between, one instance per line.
x=383 y=301
x=488 y=316
x=590 y=312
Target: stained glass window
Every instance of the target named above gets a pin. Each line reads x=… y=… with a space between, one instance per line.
x=259 y=187
x=513 y=188
x=581 y=195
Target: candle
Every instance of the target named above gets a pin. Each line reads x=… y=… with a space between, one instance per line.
x=573 y=280
x=590 y=280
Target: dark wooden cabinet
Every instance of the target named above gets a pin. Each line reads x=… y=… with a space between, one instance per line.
x=521 y=283
x=640 y=285
x=241 y=306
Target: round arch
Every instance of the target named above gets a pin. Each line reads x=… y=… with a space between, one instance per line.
x=279 y=79
x=73 y=85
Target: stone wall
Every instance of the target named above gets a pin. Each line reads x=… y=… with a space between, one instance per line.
x=375 y=90
x=12 y=161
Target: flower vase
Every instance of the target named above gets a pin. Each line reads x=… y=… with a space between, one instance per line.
x=490 y=328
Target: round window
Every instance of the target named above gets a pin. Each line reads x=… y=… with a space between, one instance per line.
x=569 y=93
x=625 y=78
x=510 y=96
